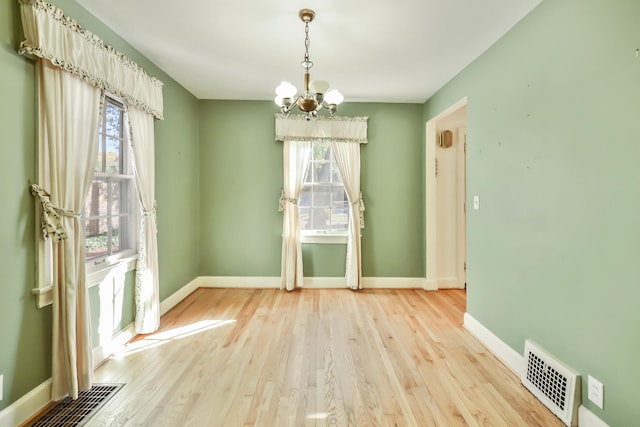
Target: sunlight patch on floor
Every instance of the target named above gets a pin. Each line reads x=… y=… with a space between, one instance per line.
x=318 y=416
x=160 y=338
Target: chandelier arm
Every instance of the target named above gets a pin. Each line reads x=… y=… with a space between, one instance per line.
x=286 y=109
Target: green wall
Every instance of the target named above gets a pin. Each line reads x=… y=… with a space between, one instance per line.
x=241 y=179
x=553 y=149
x=25 y=331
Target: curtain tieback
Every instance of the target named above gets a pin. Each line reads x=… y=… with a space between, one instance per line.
x=360 y=201
x=284 y=199
x=69 y=214
x=50 y=221
x=151 y=213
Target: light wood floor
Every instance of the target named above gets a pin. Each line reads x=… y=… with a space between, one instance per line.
x=238 y=357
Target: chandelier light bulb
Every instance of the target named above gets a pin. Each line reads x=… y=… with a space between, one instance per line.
x=286 y=90
x=333 y=97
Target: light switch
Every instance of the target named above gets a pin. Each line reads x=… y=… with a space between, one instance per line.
x=476 y=203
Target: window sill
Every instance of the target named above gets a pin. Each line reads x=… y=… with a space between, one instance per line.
x=122 y=265
x=327 y=239
x=44 y=294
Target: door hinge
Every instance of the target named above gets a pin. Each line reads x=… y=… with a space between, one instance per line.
x=436 y=166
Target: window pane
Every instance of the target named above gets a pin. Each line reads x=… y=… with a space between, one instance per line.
x=115 y=235
x=321 y=151
x=113 y=156
x=339 y=219
x=95 y=204
x=339 y=197
x=305 y=219
x=305 y=196
x=115 y=197
x=335 y=173
x=96 y=238
x=320 y=219
x=322 y=196
x=113 y=117
x=308 y=177
x=121 y=196
x=322 y=172
x=100 y=156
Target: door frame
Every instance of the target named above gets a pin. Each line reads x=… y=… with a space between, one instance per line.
x=431 y=243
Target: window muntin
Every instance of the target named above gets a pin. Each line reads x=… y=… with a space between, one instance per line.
x=109 y=215
x=324 y=206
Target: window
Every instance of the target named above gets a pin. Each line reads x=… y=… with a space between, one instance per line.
x=324 y=206
x=109 y=217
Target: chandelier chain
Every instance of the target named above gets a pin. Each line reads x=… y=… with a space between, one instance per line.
x=307 y=42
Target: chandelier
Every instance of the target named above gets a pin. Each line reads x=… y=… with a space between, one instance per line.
x=316 y=92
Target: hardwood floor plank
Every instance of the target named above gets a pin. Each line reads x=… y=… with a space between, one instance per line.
x=245 y=357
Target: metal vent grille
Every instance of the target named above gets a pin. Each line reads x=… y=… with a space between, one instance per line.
x=549 y=381
x=553 y=383
x=69 y=412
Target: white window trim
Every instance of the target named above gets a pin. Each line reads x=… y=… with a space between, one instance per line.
x=323 y=238
x=97 y=275
x=44 y=294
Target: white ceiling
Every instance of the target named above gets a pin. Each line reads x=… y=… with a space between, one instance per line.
x=394 y=51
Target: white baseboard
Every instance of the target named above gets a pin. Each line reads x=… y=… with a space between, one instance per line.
x=103 y=351
x=325 y=283
x=514 y=361
x=393 y=283
x=430 y=285
x=27 y=406
x=250 y=282
x=170 y=302
x=309 y=282
x=449 y=283
x=511 y=358
x=586 y=418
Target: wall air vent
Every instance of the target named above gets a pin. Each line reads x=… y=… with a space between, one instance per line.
x=552 y=382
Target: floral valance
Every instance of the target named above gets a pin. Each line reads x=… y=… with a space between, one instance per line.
x=51 y=35
x=297 y=128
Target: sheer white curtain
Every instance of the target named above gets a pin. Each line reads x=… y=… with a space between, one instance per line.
x=147 y=292
x=69 y=121
x=296 y=156
x=347 y=155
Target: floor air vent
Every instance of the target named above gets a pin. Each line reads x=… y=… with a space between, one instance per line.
x=68 y=412
x=553 y=383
